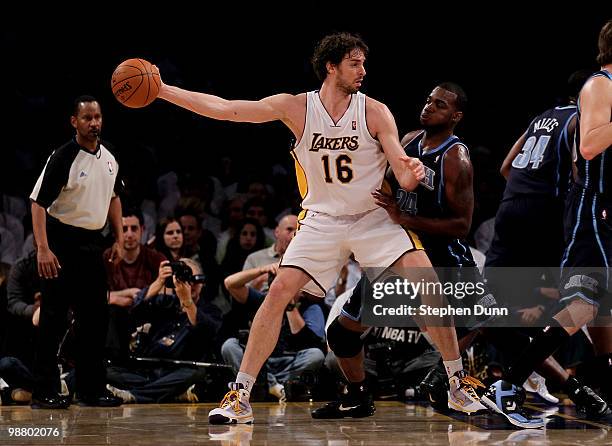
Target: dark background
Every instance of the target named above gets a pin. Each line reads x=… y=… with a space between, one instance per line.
x=512 y=65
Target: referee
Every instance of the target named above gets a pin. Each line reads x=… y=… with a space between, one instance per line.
x=71 y=201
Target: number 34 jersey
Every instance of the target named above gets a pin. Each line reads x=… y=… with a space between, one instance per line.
x=338 y=164
x=544 y=165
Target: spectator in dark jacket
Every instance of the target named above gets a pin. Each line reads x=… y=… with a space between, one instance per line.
x=181 y=328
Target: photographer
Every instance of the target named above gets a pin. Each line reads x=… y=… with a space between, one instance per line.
x=181 y=328
x=299 y=350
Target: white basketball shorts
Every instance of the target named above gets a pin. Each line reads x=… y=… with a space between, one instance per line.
x=323 y=244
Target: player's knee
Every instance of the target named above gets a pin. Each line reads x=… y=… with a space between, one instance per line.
x=343 y=342
x=427 y=275
x=281 y=291
x=413 y=259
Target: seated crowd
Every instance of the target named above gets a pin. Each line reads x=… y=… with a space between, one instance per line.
x=180 y=341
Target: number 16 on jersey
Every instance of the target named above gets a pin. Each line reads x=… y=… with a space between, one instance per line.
x=344 y=173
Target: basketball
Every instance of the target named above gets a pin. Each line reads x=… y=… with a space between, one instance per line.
x=135 y=83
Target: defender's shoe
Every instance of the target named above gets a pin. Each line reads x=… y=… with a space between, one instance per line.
x=507 y=399
x=462 y=394
x=350 y=405
x=234 y=408
x=537 y=384
x=586 y=400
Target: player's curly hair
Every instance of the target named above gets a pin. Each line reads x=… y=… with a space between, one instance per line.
x=333 y=48
x=605 y=44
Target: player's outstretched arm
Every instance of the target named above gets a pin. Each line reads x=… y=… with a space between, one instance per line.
x=408 y=171
x=595 y=125
x=268 y=109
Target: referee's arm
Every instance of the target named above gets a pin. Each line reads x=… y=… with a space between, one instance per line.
x=48 y=265
x=48 y=187
x=114 y=216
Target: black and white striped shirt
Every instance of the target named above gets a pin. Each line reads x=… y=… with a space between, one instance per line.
x=76 y=186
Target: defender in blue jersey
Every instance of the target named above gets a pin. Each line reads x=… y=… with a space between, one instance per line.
x=585 y=283
x=588 y=230
x=529 y=221
x=538 y=171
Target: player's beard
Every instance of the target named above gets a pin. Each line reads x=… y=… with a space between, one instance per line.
x=348 y=89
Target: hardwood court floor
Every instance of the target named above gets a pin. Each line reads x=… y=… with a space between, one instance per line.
x=394 y=424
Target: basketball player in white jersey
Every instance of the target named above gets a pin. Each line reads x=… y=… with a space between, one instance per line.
x=343 y=142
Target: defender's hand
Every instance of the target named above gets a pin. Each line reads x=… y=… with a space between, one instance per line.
x=388 y=204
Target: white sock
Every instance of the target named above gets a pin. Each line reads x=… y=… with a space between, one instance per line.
x=246 y=380
x=453 y=367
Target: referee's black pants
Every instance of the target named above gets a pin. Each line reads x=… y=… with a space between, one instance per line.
x=81 y=285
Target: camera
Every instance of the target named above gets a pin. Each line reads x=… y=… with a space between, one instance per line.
x=183 y=272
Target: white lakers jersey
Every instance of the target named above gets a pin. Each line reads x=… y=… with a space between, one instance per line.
x=338 y=165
